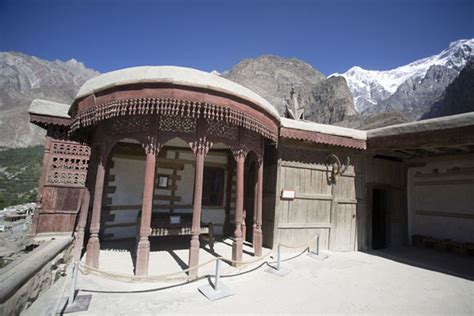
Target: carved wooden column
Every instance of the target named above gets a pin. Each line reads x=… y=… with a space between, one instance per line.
x=93 y=245
x=257 y=226
x=44 y=173
x=81 y=224
x=200 y=150
x=143 y=246
x=237 y=246
x=84 y=210
x=228 y=194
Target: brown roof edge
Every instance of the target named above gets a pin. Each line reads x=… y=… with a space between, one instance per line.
x=45 y=120
x=441 y=137
x=321 y=138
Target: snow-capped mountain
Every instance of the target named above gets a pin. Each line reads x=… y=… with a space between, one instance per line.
x=412 y=88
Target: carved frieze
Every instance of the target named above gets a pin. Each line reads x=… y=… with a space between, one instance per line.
x=168 y=123
x=223 y=130
x=68 y=164
x=186 y=112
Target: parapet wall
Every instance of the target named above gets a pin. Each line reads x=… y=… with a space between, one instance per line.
x=23 y=280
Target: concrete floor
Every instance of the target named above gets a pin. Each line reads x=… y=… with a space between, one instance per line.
x=167 y=255
x=344 y=283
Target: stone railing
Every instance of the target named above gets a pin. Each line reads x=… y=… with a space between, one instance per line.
x=24 y=279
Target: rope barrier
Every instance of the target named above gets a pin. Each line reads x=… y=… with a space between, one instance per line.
x=85 y=269
x=299 y=247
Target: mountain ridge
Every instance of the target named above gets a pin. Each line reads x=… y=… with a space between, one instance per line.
x=403 y=87
x=24 y=78
x=327 y=100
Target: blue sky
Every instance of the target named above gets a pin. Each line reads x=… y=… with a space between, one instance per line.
x=332 y=36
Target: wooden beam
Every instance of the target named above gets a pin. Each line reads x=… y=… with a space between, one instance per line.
x=312 y=196
x=446 y=214
x=304 y=225
x=115 y=225
x=166 y=197
x=444 y=182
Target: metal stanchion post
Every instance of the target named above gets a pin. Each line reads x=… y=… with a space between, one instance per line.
x=278 y=258
x=317 y=246
x=217 y=290
x=73 y=303
x=278 y=269
x=316 y=253
x=216 y=282
x=72 y=286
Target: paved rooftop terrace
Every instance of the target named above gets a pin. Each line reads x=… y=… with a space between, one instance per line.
x=344 y=283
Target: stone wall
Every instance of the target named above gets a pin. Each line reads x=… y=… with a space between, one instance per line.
x=23 y=280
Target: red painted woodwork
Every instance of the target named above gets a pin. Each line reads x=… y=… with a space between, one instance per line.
x=61 y=183
x=176 y=101
x=237 y=246
x=81 y=225
x=197 y=204
x=93 y=246
x=257 y=234
x=321 y=138
x=143 y=246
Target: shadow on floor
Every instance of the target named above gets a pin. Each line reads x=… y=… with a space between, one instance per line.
x=430 y=259
x=169 y=244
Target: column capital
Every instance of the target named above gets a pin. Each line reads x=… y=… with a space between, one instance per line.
x=152 y=145
x=239 y=152
x=202 y=145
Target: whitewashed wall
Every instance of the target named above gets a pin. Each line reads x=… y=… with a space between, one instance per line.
x=441 y=198
x=125 y=191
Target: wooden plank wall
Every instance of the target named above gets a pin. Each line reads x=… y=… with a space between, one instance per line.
x=270 y=180
x=319 y=207
x=389 y=175
x=339 y=212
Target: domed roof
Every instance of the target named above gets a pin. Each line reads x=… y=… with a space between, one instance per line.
x=174 y=75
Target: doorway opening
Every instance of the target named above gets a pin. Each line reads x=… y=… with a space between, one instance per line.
x=379 y=218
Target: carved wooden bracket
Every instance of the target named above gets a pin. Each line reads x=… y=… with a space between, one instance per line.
x=201 y=146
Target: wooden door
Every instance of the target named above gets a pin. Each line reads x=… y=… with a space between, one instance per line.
x=343 y=226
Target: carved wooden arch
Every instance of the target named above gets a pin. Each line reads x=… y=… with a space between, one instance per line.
x=175 y=101
x=153 y=131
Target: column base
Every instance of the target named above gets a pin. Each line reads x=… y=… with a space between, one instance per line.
x=257 y=242
x=143 y=257
x=237 y=250
x=93 y=250
x=194 y=257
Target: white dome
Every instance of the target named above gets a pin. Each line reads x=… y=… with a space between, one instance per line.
x=175 y=75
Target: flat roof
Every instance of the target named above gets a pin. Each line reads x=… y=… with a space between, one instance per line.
x=323 y=128
x=439 y=123
x=49 y=108
x=174 y=75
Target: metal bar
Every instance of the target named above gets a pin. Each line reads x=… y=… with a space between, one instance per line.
x=72 y=286
x=216 y=282
x=317 y=245
x=278 y=258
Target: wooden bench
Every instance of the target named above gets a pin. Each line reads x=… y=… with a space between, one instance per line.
x=179 y=224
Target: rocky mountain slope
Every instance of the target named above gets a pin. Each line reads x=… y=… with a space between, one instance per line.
x=325 y=100
x=358 y=98
x=24 y=78
x=458 y=96
x=412 y=89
